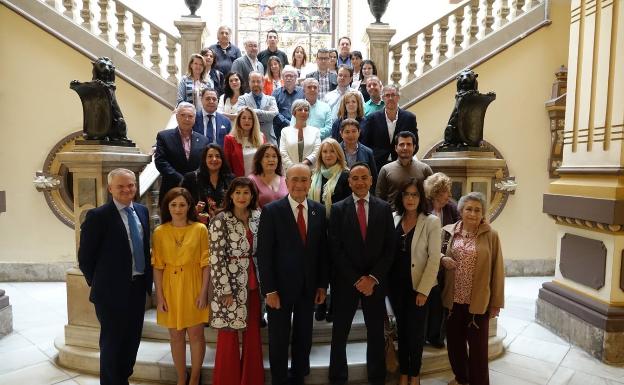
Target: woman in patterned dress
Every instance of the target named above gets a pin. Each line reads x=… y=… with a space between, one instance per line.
x=235 y=302
x=473 y=289
x=180 y=261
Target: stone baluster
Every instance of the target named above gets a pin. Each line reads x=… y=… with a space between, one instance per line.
x=69 y=9
x=120 y=13
x=412 y=46
x=488 y=20
x=51 y=3
x=86 y=14
x=534 y=3
x=103 y=23
x=155 y=56
x=172 y=68
x=442 y=46
x=503 y=12
x=473 y=30
x=517 y=8
x=458 y=39
x=137 y=25
x=427 y=55
x=396 y=72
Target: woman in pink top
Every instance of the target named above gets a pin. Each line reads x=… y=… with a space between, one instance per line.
x=267 y=174
x=473 y=289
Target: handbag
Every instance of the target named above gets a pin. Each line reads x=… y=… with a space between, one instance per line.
x=392 y=361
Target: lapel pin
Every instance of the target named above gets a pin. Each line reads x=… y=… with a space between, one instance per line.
x=313 y=212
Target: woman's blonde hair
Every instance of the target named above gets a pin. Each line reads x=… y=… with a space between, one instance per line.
x=436 y=184
x=337 y=149
x=189 y=70
x=342 y=109
x=255 y=136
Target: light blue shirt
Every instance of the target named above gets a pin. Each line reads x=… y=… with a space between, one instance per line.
x=320 y=117
x=124 y=218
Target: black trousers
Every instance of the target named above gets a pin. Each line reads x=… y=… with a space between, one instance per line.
x=345 y=301
x=120 y=335
x=302 y=313
x=435 y=330
x=410 y=321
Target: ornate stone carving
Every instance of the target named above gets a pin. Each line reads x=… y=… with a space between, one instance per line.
x=556 y=112
x=464 y=131
x=45 y=182
x=102 y=117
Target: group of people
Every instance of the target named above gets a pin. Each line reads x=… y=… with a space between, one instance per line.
x=264 y=206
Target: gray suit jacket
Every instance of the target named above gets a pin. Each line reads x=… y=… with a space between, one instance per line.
x=266 y=111
x=243 y=66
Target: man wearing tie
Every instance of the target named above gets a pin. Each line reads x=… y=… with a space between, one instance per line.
x=114 y=256
x=209 y=122
x=293 y=277
x=361 y=232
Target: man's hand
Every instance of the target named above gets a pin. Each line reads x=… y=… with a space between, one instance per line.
x=365 y=285
x=273 y=301
x=320 y=296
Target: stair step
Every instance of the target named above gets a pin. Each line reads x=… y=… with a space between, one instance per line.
x=154 y=362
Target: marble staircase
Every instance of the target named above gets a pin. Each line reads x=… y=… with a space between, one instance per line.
x=78 y=350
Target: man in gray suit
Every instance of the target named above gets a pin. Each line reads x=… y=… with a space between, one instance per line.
x=263 y=105
x=248 y=63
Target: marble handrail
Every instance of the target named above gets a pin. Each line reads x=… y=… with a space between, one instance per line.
x=120 y=27
x=471 y=21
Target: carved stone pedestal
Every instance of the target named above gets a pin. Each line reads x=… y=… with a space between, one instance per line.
x=378 y=37
x=6 y=314
x=90 y=165
x=191 y=32
x=482 y=171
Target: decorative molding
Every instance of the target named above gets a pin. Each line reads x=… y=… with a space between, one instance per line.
x=590 y=225
x=44 y=182
x=556 y=112
x=583 y=260
x=34 y=272
x=586 y=209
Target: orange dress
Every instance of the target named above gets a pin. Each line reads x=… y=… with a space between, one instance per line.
x=181 y=252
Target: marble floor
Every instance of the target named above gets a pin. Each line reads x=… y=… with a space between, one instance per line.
x=533 y=354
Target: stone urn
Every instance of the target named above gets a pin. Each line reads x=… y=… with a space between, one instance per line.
x=193 y=5
x=378 y=8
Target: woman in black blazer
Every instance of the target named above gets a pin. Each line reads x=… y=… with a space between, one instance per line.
x=209 y=182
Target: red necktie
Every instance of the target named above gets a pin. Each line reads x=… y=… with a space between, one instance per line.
x=301 y=224
x=361 y=214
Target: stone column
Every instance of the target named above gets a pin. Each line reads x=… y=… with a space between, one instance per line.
x=191 y=31
x=379 y=37
x=585 y=301
x=90 y=165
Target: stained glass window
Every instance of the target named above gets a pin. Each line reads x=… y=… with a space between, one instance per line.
x=309 y=23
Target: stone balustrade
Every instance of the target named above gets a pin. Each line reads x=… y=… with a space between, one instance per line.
x=122 y=27
x=466 y=25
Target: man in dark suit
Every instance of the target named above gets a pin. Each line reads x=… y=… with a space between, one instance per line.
x=380 y=137
x=209 y=122
x=328 y=81
x=178 y=150
x=114 y=256
x=361 y=232
x=292 y=265
x=354 y=150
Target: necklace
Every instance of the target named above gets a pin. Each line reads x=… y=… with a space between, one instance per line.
x=179 y=241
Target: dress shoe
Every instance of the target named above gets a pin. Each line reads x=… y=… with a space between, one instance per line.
x=321 y=311
x=437 y=344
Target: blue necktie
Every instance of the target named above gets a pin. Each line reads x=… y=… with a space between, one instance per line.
x=210 y=129
x=137 y=242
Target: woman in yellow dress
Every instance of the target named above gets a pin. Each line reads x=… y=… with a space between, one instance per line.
x=181 y=275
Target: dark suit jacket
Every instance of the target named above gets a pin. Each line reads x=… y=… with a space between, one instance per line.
x=333 y=79
x=351 y=256
x=171 y=161
x=223 y=126
x=375 y=134
x=104 y=255
x=285 y=265
x=365 y=154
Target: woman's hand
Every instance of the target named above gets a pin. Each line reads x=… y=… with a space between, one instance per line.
x=162 y=305
x=448 y=263
x=201 y=301
x=420 y=299
x=227 y=300
x=493 y=311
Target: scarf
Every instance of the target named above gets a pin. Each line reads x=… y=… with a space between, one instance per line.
x=317 y=189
